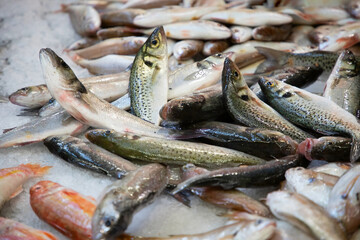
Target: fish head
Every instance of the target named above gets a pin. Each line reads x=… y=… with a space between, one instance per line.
x=232 y=77
x=348 y=63
x=155 y=46
x=217 y=60
x=274 y=89
x=43 y=188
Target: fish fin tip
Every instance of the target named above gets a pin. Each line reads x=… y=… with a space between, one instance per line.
x=36 y=169
x=17 y=192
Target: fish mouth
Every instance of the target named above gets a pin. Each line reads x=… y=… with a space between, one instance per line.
x=48 y=56
x=230 y=55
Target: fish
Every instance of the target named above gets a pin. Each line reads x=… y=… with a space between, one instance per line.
x=148 y=82
x=121 y=46
x=271 y=33
x=273 y=144
x=300 y=35
x=246 y=108
x=312 y=111
x=213 y=47
x=304 y=214
x=108 y=64
x=268 y=174
x=121 y=17
x=335 y=169
x=248 y=17
x=341 y=38
x=12 y=179
x=84 y=18
x=66 y=210
x=324 y=14
x=186 y=49
x=344 y=200
x=320 y=33
x=240 y=34
x=176 y=152
x=286 y=231
x=175 y=64
x=356 y=235
x=146 y=4
x=162 y=16
x=30 y=97
x=353 y=7
x=89 y=156
x=343 y=85
x=118 y=32
x=82 y=43
x=124 y=197
x=312 y=185
x=10 y=229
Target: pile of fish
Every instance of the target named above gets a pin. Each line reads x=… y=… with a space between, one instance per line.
x=210 y=110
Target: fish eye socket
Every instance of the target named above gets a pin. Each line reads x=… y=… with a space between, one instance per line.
x=218 y=55
x=270 y=84
x=236 y=73
x=107 y=223
x=63 y=63
x=155 y=43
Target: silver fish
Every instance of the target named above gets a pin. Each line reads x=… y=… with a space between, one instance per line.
x=186 y=49
x=240 y=34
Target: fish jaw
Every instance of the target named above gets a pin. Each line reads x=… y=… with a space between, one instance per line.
x=305 y=147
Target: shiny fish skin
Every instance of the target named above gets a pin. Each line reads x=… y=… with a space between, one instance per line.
x=320 y=33
x=304 y=213
x=271 y=33
x=148 y=82
x=175 y=64
x=176 y=152
x=145 y=4
x=343 y=85
x=64 y=209
x=300 y=35
x=240 y=34
x=245 y=107
x=31 y=97
x=89 y=156
x=120 y=17
x=353 y=7
x=117 y=32
x=122 y=198
x=213 y=47
x=82 y=43
x=335 y=169
x=312 y=111
x=286 y=231
x=10 y=229
x=186 y=49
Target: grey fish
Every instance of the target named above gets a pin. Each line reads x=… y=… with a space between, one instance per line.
x=124 y=197
x=312 y=111
x=245 y=107
x=89 y=156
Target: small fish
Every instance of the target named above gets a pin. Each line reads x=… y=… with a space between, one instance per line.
x=31 y=97
x=240 y=34
x=271 y=33
x=186 y=49
x=324 y=14
x=248 y=17
x=300 y=35
x=343 y=85
x=213 y=47
x=344 y=202
x=176 y=152
x=335 y=169
x=121 y=199
x=118 y=32
x=304 y=214
x=121 y=17
x=12 y=179
x=312 y=111
x=87 y=155
x=10 y=229
x=121 y=46
x=66 y=210
x=148 y=82
x=84 y=18
x=246 y=108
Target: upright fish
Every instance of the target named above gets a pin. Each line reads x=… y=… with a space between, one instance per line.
x=312 y=111
x=149 y=78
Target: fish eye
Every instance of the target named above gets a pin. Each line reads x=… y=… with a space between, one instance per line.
x=236 y=73
x=154 y=43
x=270 y=84
x=63 y=64
x=218 y=55
x=109 y=222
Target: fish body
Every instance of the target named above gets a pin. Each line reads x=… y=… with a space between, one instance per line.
x=186 y=49
x=287 y=231
x=320 y=33
x=353 y=7
x=31 y=97
x=121 y=17
x=148 y=82
x=213 y=47
x=64 y=209
x=82 y=43
x=146 y=4
x=240 y=34
x=341 y=38
x=175 y=64
x=335 y=169
x=300 y=35
x=271 y=33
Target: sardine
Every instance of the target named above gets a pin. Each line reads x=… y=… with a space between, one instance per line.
x=240 y=34
x=246 y=108
x=176 y=152
x=304 y=214
x=271 y=33
x=31 y=97
x=213 y=47
x=335 y=169
x=148 y=82
x=122 y=198
x=186 y=49
x=122 y=17
x=84 y=154
x=312 y=111
x=64 y=209
x=12 y=179
x=344 y=202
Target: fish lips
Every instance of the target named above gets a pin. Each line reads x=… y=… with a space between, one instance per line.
x=48 y=56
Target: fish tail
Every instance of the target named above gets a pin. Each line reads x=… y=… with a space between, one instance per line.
x=36 y=169
x=274 y=58
x=355 y=147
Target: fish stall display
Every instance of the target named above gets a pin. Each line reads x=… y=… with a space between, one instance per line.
x=180 y=119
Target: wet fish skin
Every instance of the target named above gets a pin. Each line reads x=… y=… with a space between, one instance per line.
x=30 y=97
x=175 y=64
x=213 y=47
x=240 y=34
x=335 y=169
x=353 y=7
x=121 y=17
x=89 y=156
x=186 y=49
x=175 y=152
x=148 y=82
x=286 y=231
x=64 y=209
x=271 y=33
x=82 y=43
x=312 y=111
x=300 y=35
x=118 y=32
x=320 y=33
x=246 y=108
x=146 y=4
x=122 y=198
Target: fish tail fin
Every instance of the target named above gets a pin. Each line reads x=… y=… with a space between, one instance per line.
x=274 y=59
x=355 y=147
x=36 y=169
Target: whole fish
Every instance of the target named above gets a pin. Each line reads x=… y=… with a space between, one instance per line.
x=186 y=49
x=10 y=229
x=176 y=152
x=31 y=97
x=121 y=46
x=341 y=38
x=313 y=185
x=248 y=17
x=145 y=4
x=213 y=47
x=270 y=173
x=121 y=17
x=343 y=85
x=304 y=214
x=271 y=33
x=240 y=34
x=335 y=169
x=344 y=202
x=66 y=210
x=312 y=111
x=87 y=155
x=84 y=18
x=12 y=179
x=324 y=14
x=162 y=16
x=148 y=82
x=245 y=107
x=273 y=144
x=122 y=198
